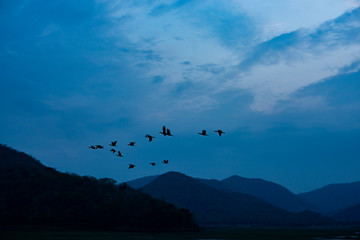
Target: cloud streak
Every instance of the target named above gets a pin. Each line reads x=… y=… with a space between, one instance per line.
x=277 y=68
x=222 y=47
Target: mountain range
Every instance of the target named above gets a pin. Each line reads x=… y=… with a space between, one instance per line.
x=212 y=206
x=338 y=201
x=333 y=198
x=271 y=192
x=35 y=194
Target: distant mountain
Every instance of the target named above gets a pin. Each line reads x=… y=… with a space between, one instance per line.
x=268 y=191
x=214 y=206
x=271 y=192
x=33 y=194
x=350 y=215
x=334 y=197
x=140 y=182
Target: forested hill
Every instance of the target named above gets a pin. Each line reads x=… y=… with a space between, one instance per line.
x=33 y=194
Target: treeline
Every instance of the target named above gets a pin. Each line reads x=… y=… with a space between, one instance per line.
x=32 y=194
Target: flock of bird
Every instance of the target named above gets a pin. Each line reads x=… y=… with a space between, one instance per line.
x=165 y=131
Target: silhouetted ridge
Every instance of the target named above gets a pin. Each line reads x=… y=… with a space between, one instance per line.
x=215 y=206
x=269 y=191
x=334 y=197
x=32 y=194
x=12 y=157
x=349 y=215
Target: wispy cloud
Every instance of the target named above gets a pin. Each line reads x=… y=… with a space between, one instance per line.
x=277 y=68
x=281 y=16
x=223 y=43
x=274 y=82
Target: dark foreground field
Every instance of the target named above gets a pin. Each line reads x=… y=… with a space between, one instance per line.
x=208 y=233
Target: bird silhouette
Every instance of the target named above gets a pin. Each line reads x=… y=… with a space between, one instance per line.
x=113 y=150
x=219 y=132
x=92 y=147
x=131 y=166
x=131 y=144
x=150 y=137
x=165 y=161
x=119 y=154
x=99 y=147
x=168 y=133
x=152 y=164
x=113 y=144
x=163 y=131
x=203 y=133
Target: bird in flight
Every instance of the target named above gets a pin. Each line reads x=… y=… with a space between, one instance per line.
x=165 y=161
x=163 y=131
x=92 y=147
x=150 y=137
x=113 y=150
x=119 y=154
x=99 y=147
x=168 y=133
x=203 y=133
x=113 y=144
x=152 y=164
x=131 y=166
x=219 y=132
x=131 y=144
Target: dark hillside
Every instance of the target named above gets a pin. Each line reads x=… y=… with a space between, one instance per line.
x=12 y=158
x=32 y=194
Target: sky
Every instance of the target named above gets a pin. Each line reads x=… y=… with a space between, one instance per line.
x=281 y=78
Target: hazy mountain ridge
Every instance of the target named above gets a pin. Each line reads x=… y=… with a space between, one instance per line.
x=271 y=192
x=334 y=197
x=266 y=190
x=214 y=206
x=350 y=215
x=329 y=200
x=140 y=182
x=33 y=194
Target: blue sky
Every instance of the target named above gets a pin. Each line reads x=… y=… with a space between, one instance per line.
x=281 y=78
